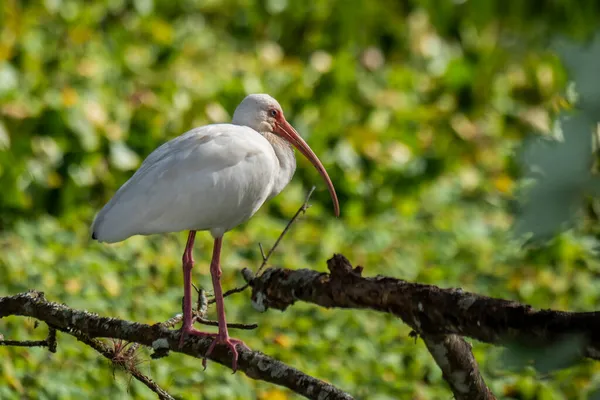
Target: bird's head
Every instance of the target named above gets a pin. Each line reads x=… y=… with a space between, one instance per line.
x=258 y=111
x=263 y=113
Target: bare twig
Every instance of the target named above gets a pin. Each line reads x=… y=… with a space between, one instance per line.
x=201 y=304
x=265 y=258
x=49 y=342
x=24 y=343
x=231 y=291
x=51 y=339
x=170 y=323
x=127 y=361
x=262 y=251
x=199 y=315
x=231 y=326
x=305 y=206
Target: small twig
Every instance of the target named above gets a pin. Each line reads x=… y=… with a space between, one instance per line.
x=265 y=259
x=232 y=325
x=202 y=309
x=230 y=292
x=24 y=343
x=262 y=251
x=51 y=339
x=195 y=288
x=122 y=362
x=200 y=314
x=49 y=342
x=202 y=304
x=301 y=210
x=170 y=323
x=133 y=347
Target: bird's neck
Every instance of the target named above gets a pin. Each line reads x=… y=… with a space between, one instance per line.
x=287 y=162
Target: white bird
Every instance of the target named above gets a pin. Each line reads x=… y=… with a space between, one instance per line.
x=211 y=178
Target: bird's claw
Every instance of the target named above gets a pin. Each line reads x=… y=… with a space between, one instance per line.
x=229 y=342
x=217 y=339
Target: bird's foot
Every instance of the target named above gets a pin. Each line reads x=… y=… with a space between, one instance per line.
x=229 y=342
x=185 y=331
x=218 y=338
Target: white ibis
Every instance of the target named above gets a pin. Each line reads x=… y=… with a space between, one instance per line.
x=211 y=178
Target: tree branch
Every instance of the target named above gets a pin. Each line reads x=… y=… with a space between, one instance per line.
x=454 y=357
x=440 y=316
x=426 y=308
x=254 y=364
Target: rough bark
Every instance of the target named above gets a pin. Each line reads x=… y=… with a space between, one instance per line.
x=439 y=316
x=454 y=357
x=426 y=308
x=254 y=364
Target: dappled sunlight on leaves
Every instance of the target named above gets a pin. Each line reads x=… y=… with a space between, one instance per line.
x=417 y=110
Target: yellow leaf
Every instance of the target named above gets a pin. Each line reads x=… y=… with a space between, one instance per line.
x=514 y=282
x=504 y=184
x=95 y=113
x=273 y=394
x=80 y=34
x=69 y=97
x=73 y=285
x=5 y=51
x=283 y=340
x=112 y=285
x=388 y=376
x=162 y=32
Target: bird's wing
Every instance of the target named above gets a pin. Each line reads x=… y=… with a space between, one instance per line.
x=213 y=177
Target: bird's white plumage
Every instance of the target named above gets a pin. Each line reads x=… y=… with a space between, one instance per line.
x=210 y=178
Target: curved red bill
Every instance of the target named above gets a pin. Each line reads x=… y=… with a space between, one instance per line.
x=288 y=132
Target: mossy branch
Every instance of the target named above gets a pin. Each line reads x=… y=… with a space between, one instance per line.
x=86 y=326
x=439 y=316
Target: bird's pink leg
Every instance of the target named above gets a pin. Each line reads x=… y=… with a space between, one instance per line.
x=223 y=335
x=188 y=319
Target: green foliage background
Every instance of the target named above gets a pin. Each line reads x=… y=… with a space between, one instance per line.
x=418 y=109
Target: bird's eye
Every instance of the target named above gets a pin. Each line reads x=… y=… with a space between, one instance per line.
x=273 y=113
